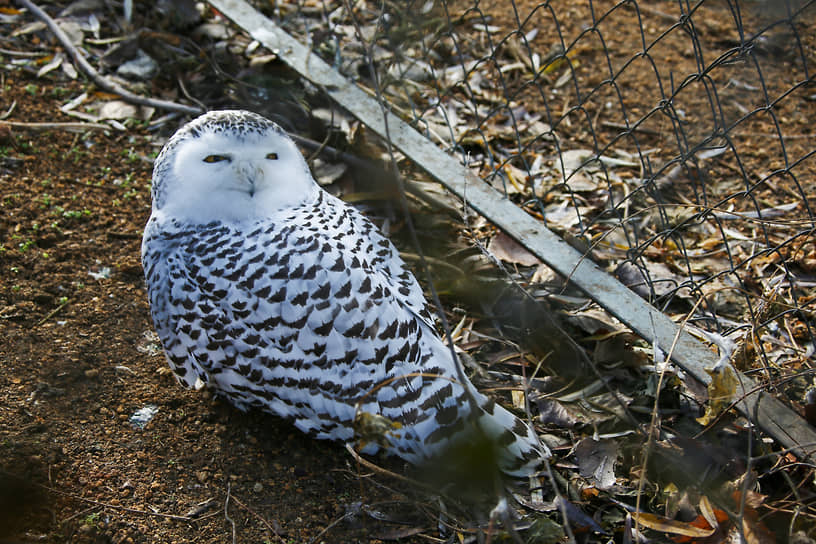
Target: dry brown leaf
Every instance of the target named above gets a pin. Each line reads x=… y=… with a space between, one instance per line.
x=665 y=525
x=596 y=461
x=508 y=250
x=518 y=399
x=564 y=215
x=721 y=391
x=752 y=498
x=753 y=529
x=707 y=511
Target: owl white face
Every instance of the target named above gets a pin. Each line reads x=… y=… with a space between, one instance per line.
x=215 y=168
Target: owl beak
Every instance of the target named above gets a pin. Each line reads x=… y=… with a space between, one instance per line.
x=251 y=173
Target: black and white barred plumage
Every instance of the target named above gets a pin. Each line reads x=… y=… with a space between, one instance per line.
x=280 y=296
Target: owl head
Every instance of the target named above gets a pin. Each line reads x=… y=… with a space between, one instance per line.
x=229 y=165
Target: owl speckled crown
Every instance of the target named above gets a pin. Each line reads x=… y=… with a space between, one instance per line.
x=238 y=123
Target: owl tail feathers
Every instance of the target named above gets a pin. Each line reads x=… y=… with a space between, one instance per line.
x=518 y=451
x=488 y=445
x=484 y=444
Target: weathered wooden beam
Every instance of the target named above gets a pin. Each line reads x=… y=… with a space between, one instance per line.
x=787 y=427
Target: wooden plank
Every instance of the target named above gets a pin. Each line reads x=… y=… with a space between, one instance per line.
x=767 y=412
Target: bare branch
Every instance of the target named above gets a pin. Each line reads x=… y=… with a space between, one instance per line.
x=42 y=127
x=95 y=76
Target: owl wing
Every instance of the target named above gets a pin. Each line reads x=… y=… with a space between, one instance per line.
x=173 y=314
x=378 y=254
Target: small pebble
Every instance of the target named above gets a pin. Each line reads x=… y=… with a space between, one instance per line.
x=258 y=487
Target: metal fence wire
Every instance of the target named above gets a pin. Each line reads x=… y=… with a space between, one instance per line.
x=674 y=140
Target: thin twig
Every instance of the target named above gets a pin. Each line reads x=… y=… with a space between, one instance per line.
x=42 y=127
x=333 y=153
x=226 y=512
x=7 y=113
x=622 y=126
x=115 y=506
x=29 y=54
x=329 y=527
x=251 y=511
x=95 y=76
x=52 y=313
x=371 y=466
x=190 y=97
x=78 y=514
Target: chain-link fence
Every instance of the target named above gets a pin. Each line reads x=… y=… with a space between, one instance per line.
x=674 y=141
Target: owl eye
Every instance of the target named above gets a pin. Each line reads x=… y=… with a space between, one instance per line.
x=216 y=158
x=272 y=156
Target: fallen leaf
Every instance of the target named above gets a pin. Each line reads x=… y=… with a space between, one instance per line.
x=665 y=525
x=117 y=109
x=518 y=399
x=710 y=514
x=596 y=461
x=721 y=391
x=53 y=64
x=508 y=250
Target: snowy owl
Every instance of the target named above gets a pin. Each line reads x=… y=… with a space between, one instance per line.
x=278 y=295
